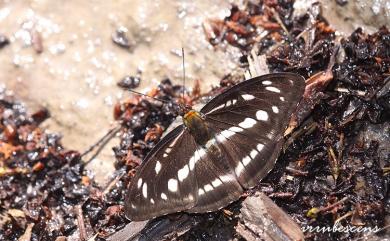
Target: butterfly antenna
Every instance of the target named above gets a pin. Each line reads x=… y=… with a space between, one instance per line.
x=139 y=93
x=184 y=72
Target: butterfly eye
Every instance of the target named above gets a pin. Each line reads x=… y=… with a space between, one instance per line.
x=227 y=147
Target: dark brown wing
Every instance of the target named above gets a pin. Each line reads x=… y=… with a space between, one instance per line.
x=164 y=183
x=246 y=123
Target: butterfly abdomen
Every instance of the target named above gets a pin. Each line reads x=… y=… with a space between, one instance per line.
x=196 y=124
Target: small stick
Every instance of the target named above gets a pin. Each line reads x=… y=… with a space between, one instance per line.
x=297 y=172
x=324 y=209
x=350 y=213
x=281 y=194
x=280 y=22
x=112 y=183
x=80 y=223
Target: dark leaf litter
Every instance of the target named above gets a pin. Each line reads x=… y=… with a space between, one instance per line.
x=336 y=167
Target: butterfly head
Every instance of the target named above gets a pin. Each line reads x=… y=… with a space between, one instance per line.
x=184 y=109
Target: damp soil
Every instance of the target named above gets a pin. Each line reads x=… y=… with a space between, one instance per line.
x=334 y=168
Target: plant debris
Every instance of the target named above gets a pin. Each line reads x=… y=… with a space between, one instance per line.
x=244 y=28
x=334 y=170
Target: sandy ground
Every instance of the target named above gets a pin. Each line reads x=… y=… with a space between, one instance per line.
x=75 y=76
x=76 y=73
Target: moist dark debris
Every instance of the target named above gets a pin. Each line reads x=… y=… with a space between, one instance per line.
x=244 y=28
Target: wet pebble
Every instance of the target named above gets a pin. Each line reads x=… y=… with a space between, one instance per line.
x=3 y=41
x=129 y=82
x=121 y=38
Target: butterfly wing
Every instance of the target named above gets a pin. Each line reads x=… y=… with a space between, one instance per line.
x=246 y=125
x=249 y=121
x=164 y=183
x=217 y=186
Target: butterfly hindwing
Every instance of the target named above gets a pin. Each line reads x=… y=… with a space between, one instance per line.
x=221 y=185
x=164 y=183
x=251 y=156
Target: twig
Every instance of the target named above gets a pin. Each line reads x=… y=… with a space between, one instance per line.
x=297 y=172
x=112 y=183
x=324 y=209
x=350 y=213
x=280 y=22
x=80 y=223
x=281 y=194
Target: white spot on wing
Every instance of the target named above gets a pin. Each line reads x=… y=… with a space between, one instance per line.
x=227 y=178
x=200 y=191
x=139 y=183
x=262 y=115
x=246 y=160
x=247 y=97
x=165 y=155
x=239 y=169
x=217 y=108
x=164 y=196
x=260 y=147
x=281 y=98
x=208 y=188
x=145 y=190
x=227 y=133
x=198 y=154
x=174 y=142
x=172 y=185
x=183 y=173
x=253 y=153
x=192 y=161
x=236 y=129
x=220 y=138
x=157 y=168
x=275 y=109
x=152 y=201
x=267 y=82
x=216 y=183
x=272 y=89
x=247 y=123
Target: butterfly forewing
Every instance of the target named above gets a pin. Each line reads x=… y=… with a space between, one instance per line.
x=246 y=125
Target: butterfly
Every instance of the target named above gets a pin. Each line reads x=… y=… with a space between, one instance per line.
x=218 y=152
